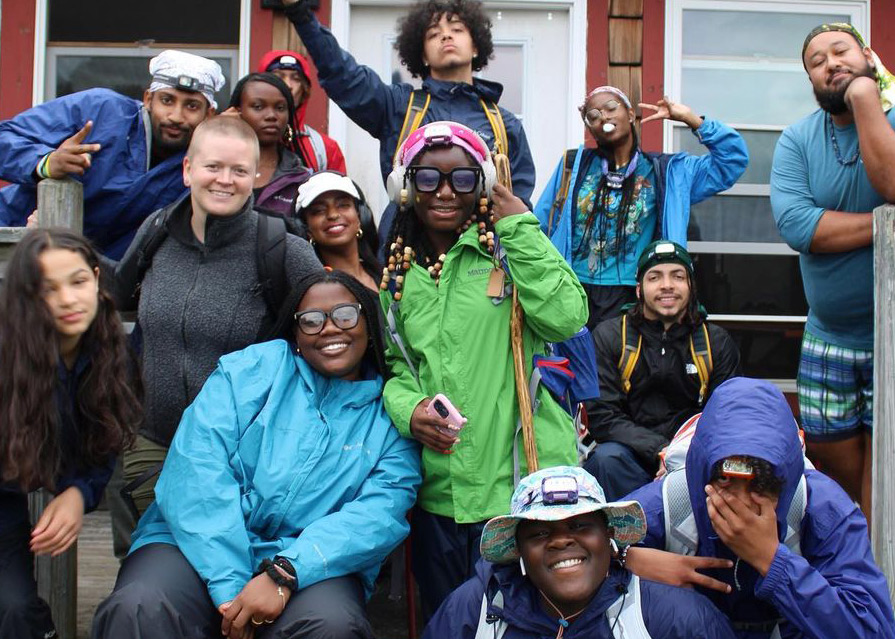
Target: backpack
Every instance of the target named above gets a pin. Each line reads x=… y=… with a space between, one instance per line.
x=418 y=104
x=563 y=192
x=270 y=259
x=700 y=351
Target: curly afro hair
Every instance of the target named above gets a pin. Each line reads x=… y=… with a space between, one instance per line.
x=412 y=32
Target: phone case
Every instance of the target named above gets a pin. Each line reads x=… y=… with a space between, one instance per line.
x=454 y=418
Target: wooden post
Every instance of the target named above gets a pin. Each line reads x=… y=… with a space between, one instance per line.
x=57 y=577
x=61 y=203
x=883 y=487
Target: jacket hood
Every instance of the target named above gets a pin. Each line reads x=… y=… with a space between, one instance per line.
x=270 y=56
x=351 y=394
x=743 y=417
x=486 y=89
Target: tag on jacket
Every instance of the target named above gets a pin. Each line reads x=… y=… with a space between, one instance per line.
x=495 y=282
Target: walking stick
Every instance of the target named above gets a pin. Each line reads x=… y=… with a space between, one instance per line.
x=502 y=163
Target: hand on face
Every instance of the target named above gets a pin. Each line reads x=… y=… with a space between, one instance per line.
x=861 y=87
x=59 y=525
x=431 y=430
x=73 y=156
x=257 y=603
x=748 y=528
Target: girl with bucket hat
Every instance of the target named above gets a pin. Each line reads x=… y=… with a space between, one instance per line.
x=550 y=571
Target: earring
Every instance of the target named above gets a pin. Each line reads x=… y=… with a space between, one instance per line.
x=522 y=566
x=360 y=233
x=403 y=197
x=289 y=135
x=311 y=242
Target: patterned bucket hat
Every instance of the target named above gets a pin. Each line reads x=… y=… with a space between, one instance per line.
x=553 y=494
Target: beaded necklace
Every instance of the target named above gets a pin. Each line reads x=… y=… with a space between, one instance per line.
x=839 y=159
x=615 y=179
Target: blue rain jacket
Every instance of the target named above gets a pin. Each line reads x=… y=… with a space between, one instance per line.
x=120 y=190
x=834 y=589
x=682 y=180
x=274 y=459
x=668 y=612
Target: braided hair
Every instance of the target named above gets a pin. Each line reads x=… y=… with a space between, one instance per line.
x=369 y=302
x=408 y=242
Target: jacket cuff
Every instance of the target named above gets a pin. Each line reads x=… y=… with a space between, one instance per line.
x=300 y=13
x=222 y=593
x=767 y=585
x=507 y=226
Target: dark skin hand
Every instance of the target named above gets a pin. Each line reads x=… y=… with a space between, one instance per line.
x=257 y=600
x=72 y=157
x=675 y=570
x=504 y=203
x=424 y=428
x=750 y=531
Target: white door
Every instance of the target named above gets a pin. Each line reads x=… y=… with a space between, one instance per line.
x=532 y=60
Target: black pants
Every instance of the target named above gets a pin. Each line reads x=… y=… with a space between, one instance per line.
x=23 y=614
x=605 y=302
x=158 y=594
x=444 y=554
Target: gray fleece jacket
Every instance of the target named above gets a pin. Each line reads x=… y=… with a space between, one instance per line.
x=198 y=302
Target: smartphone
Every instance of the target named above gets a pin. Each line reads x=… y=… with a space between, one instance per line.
x=441 y=406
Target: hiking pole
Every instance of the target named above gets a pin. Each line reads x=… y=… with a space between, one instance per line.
x=502 y=164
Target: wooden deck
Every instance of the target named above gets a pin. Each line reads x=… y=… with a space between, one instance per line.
x=97 y=569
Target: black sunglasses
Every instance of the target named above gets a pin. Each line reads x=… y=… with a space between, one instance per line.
x=343 y=316
x=463 y=179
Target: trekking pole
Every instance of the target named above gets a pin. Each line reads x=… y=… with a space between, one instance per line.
x=517 y=318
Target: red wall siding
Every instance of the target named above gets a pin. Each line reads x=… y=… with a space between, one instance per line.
x=317 y=114
x=16 y=56
x=653 y=79
x=262 y=33
x=882 y=37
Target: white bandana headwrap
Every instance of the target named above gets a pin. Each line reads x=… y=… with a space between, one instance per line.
x=183 y=70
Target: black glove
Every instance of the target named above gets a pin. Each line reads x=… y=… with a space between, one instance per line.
x=301 y=11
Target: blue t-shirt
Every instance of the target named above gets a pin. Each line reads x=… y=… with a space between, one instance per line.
x=604 y=259
x=806 y=180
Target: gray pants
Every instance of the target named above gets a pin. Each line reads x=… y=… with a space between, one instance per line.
x=158 y=594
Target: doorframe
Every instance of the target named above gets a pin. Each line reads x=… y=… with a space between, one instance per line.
x=341 y=29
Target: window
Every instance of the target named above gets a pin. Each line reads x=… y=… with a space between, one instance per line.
x=107 y=43
x=739 y=62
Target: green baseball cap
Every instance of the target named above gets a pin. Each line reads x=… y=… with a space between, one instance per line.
x=663 y=251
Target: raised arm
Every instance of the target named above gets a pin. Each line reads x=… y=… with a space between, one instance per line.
x=876 y=138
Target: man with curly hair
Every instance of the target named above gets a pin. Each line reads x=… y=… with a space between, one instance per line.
x=441 y=41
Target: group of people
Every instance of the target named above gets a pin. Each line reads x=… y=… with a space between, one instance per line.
x=301 y=390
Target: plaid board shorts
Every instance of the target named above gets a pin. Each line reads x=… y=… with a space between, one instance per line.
x=835 y=390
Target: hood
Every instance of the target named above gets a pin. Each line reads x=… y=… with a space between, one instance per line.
x=347 y=394
x=743 y=417
x=443 y=90
x=269 y=57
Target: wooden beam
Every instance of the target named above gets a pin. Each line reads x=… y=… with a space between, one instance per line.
x=626 y=9
x=883 y=472
x=57 y=577
x=625 y=40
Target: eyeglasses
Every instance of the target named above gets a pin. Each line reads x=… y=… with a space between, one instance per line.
x=343 y=316
x=427 y=179
x=595 y=115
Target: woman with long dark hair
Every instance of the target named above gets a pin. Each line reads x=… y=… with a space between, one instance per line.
x=265 y=102
x=69 y=403
x=456 y=240
x=339 y=225
x=604 y=205
x=284 y=489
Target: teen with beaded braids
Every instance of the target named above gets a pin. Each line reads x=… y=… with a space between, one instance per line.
x=603 y=206
x=449 y=312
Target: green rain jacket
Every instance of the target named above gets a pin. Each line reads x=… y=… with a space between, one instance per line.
x=459 y=342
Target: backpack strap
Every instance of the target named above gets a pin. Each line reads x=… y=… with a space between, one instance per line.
x=417 y=105
x=271 y=262
x=319 y=148
x=625 y=615
x=794 y=517
x=392 y=326
x=145 y=251
x=495 y=119
x=631 y=343
x=681 y=534
x=490 y=626
x=701 y=350
x=563 y=192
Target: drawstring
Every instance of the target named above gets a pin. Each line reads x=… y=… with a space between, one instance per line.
x=563 y=620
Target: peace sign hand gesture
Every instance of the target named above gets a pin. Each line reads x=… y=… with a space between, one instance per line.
x=72 y=156
x=665 y=109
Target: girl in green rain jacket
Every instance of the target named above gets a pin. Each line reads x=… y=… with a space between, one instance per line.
x=445 y=294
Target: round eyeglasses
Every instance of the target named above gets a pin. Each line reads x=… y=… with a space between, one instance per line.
x=595 y=115
x=427 y=179
x=343 y=316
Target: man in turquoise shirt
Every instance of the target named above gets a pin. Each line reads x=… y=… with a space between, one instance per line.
x=830 y=170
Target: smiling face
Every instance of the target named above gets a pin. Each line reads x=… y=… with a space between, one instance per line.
x=70 y=290
x=265 y=109
x=443 y=211
x=173 y=116
x=612 y=111
x=566 y=560
x=333 y=352
x=332 y=219
x=665 y=290
x=220 y=173
x=447 y=46
x=833 y=60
